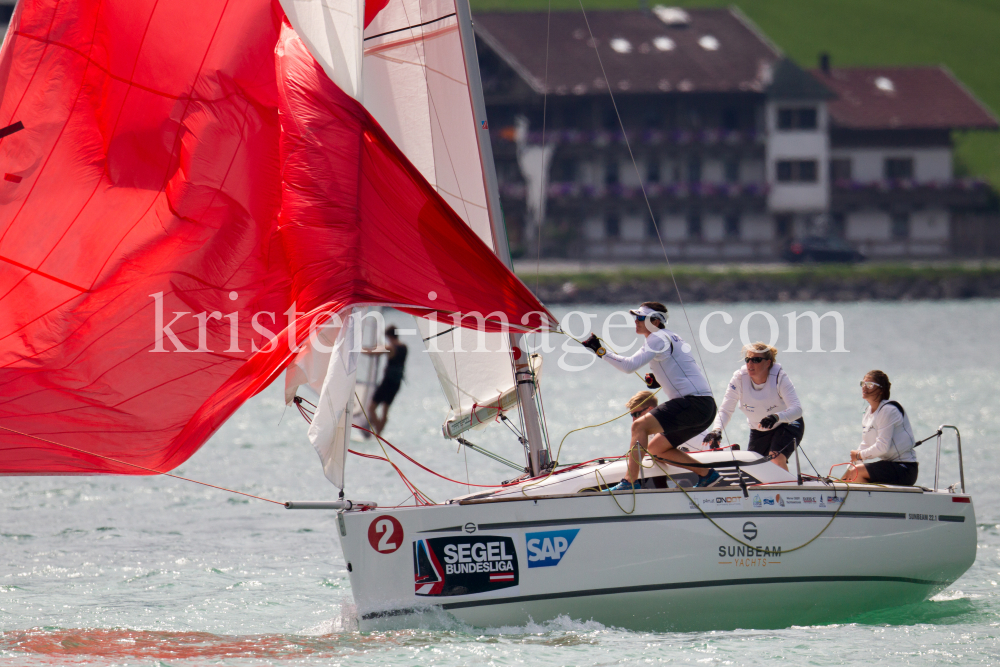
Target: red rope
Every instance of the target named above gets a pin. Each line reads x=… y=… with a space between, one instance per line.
x=420 y=465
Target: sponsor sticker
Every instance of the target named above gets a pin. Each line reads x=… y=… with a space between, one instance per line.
x=922 y=517
x=833 y=500
x=446 y=566
x=756 y=500
x=547 y=549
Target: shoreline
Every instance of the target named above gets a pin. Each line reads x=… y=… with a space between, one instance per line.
x=574 y=282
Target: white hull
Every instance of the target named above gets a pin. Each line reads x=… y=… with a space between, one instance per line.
x=664 y=565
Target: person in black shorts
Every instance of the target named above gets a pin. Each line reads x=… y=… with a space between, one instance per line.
x=386 y=391
x=767 y=397
x=886 y=435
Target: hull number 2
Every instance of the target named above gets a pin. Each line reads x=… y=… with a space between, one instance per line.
x=385 y=534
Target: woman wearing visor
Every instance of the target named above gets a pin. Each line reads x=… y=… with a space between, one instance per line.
x=885 y=435
x=690 y=407
x=767 y=397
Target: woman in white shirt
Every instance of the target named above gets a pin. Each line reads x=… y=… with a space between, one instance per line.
x=885 y=435
x=768 y=399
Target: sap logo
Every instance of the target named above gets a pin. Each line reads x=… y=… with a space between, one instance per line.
x=756 y=500
x=547 y=549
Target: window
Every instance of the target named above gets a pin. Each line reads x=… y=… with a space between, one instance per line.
x=732 y=169
x=732 y=222
x=652 y=170
x=730 y=118
x=694 y=169
x=796 y=171
x=694 y=225
x=611 y=172
x=900 y=226
x=840 y=169
x=899 y=167
x=612 y=227
x=564 y=171
x=651 y=231
x=783 y=225
x=803 y=118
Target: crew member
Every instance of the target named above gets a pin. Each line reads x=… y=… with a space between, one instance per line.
x=690 y=407
x=391 y=380
x=767 y=397
x=885 y=435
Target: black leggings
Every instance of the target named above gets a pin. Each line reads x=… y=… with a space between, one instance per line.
x=781 y=439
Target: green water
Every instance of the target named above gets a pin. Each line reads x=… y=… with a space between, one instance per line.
x=154 y=571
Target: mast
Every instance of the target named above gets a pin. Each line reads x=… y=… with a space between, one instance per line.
x=538 y=454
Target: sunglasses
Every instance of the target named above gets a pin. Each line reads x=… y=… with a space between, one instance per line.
x=640 y=318
x=636 y=415
x=868 y=384
x=754 y=360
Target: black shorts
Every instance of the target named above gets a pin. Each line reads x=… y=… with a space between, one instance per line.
x=685 y=417
x=781 y=439
x=386 y=391
x=892 y=472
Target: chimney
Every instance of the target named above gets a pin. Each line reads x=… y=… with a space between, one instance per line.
x=824 y=62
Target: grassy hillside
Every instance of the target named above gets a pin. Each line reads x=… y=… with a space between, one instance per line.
x=960 y=34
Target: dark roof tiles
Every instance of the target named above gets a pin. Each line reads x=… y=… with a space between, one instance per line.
x=717 y=51
x=883 y=98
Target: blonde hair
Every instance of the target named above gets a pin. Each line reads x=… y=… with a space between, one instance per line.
x=641 y=401
x=769 y=352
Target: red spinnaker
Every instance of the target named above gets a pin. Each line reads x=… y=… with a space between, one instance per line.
x=186 y=174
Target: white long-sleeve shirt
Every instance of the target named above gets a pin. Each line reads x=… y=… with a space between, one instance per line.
x=776 y=396
x=887 y=435
x=671 y=363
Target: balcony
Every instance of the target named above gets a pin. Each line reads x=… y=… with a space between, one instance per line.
x=579 y=193
x=907 y=193
x=603 y=138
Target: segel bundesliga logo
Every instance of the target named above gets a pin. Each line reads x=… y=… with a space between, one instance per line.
x=463 y=565
x=547 y=549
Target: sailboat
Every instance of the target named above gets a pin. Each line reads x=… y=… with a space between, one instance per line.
x=200 y=196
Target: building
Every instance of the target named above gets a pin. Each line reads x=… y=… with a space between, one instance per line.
x=735 y=149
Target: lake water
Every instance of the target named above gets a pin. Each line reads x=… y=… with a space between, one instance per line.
x=156 y=571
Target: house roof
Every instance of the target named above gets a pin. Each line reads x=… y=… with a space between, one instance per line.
x=791 y=82
x=882 y=98
x=691 y=50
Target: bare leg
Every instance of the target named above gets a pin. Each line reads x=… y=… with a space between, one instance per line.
x=859 y=475
x=642 y=429
x=781 y=460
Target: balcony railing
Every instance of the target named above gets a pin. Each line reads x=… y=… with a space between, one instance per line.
x=600 y=138
x=580 y=191
x=957 y=192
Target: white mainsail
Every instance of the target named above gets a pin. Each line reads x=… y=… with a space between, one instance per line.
x=416 y=86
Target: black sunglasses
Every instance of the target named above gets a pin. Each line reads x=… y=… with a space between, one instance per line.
x=636 y=415
x=754 y=360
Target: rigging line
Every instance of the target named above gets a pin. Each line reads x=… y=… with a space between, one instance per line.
x=645 y=196
x=134 y=465
x=541 y=181
x=410 y=485
x=649 y=207
x=423 y=467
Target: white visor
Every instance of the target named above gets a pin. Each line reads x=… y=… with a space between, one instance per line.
x=646 y=311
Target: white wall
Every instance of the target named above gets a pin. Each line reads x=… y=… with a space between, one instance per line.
x=593 y=229
x=632 y=228
x=752 y=171
x=713 y=171
x=798 y=145
x=713 y=228
x=930 y=225
x=870 y=225
x=868 y=164
x=757 y=227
